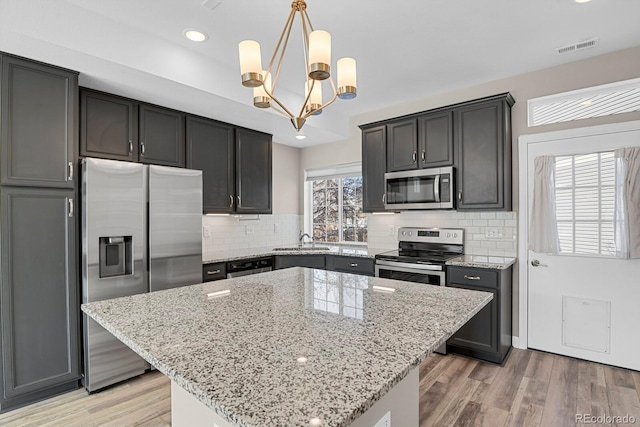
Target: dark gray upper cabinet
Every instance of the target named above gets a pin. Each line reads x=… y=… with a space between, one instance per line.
x=374 y=164
x=161 y=136
x=435 y=140
x=38 y=125
x=112 y=127
x=483 y=147
x=108 y=126
x=253 y=172
x=39 y=300
x=211 y=149
x=402 y=145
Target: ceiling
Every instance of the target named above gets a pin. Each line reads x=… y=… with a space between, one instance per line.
x=405 y=50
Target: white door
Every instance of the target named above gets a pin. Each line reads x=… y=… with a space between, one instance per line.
x=584 y=306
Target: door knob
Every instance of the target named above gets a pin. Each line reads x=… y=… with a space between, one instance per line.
x=536 y=263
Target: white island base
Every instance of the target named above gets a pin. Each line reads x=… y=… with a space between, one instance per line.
x=401 y=401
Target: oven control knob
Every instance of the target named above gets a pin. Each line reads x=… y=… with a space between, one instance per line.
x=455 y=234
x=448 y=234
x=404 y=233
x=410 y=233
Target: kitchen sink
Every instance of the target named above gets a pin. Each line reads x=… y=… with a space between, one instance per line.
x=306 y=248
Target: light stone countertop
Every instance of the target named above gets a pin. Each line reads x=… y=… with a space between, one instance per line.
x=482 y=261
x=344 y=250
x=239 y=354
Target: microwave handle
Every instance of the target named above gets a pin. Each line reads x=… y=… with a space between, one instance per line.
x=436 y=188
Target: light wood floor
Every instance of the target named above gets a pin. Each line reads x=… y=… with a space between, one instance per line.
x=532 y=389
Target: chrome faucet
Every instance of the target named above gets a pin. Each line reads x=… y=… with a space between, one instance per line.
x=301 y=240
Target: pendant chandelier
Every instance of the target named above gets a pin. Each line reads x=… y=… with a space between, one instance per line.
x=317 y=68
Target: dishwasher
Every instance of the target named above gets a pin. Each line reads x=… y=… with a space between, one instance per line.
x=250 y=266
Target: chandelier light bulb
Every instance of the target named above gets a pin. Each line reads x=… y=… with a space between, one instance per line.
x=347 y=84
x=314 y=106
x=319 y=55
x=250 y=63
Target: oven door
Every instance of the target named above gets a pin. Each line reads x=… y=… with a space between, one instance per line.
x=409 y=272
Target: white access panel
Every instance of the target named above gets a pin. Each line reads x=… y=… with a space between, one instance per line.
x=586 y=324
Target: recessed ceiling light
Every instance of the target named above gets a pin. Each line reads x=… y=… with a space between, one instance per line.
x=581 y=1
x=301 y=137
x=195 y=35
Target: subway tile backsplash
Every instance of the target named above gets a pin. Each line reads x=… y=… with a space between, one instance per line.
x=486 y=233
x=229 y=232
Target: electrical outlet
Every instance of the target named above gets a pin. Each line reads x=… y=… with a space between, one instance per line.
x=248 y=229
x=494 y=233
x=206 y=231
x=276 y=228
x=392 y=230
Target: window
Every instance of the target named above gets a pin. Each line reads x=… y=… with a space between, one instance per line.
x=597 y=101
x=585 y=200
x=334 y=212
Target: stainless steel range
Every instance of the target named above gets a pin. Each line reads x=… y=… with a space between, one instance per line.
x=421 y=255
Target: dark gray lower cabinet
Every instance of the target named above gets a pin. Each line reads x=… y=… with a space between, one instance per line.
x=215 y=271
x=310 y=261
x=346 y=264
x=39 y=302
x=487 y=335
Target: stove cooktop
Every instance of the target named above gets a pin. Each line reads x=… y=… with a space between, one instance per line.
x=416 y=256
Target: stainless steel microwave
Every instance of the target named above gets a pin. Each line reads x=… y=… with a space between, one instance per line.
x=419 y=189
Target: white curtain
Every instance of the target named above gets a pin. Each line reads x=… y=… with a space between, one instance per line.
x=627 y=203
x=543 y=229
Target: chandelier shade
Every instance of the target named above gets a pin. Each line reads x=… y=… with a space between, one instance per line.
x=317 y=68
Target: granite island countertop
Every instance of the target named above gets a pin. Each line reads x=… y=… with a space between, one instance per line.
x=344 y=250
x=240 y=353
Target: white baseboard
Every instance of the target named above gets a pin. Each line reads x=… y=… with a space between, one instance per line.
x=515 y=341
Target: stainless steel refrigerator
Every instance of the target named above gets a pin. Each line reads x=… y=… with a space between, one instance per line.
x=141 y=232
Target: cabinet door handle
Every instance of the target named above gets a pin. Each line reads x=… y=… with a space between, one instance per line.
x=70 y=171
x=239 y=202
x=142 y=148
x=230 y=201
x=384 y=198
x=354 y=264
x=130 y=146
x=472 y=277
x=460 y=195
x=415 y=156
x=211 y=273
x=423 y=156
x=70 y=208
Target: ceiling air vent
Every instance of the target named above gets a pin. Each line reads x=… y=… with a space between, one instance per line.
x=586 y=44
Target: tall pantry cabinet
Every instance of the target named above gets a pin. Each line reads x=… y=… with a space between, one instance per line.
x=39 y=301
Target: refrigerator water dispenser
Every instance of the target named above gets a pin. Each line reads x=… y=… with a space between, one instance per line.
x=116 y=256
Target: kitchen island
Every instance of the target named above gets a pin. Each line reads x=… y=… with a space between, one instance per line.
x=293 y=347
